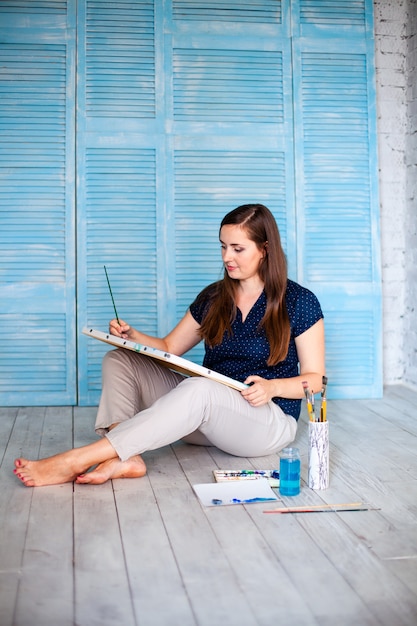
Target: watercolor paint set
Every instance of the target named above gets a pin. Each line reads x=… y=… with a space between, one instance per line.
x=272 y=476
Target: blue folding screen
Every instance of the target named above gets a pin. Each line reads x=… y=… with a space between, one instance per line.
x=336 y=179
x=184 y=110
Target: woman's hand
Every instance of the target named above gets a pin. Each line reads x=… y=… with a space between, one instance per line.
x=310 y=350
x=260 y=391
x=119 y=328
x=181 y=339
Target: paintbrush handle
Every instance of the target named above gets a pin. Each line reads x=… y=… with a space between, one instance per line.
x=111 y=294
x=332 y=510
x=315 y=507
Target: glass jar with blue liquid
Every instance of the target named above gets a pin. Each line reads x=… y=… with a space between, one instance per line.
x=289 y=472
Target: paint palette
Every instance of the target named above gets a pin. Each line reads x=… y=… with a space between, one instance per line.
x=235 y=492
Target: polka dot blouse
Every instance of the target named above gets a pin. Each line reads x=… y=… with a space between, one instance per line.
x=246 y=351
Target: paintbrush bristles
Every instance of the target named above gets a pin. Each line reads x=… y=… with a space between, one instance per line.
x=310 y=401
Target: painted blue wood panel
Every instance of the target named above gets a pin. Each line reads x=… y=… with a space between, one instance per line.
x=337 y=199
x=118 y=154
x=232 y=127
x=221 y=130
x=37 y=209
x=118 y=231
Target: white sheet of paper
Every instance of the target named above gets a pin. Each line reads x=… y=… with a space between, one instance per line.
x=234 y=492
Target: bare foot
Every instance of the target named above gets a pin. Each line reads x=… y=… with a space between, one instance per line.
x=114 y=468
x=61 y=468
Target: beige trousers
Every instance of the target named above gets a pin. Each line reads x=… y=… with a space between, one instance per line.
x=154 y=407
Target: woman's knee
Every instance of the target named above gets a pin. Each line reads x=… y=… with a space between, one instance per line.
x=113 y=355
x=117 y=365
x=201 y=382
x=120 y=356
x=110 y=359
x=203 y=387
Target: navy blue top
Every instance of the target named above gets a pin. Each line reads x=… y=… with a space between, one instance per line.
x=246 y=351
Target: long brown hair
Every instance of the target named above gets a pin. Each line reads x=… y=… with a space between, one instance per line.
x=260 y=226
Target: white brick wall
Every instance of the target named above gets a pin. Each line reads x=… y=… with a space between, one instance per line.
x=410 y=320
x=395 y=57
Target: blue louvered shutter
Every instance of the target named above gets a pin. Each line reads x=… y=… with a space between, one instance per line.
x=232 y=119
x=336 y=173
x=190 y=125
x=37 y=269
x=119 y=152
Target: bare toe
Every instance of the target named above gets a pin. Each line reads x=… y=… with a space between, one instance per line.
x=51 y=471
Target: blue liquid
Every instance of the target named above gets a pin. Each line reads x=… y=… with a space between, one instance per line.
x=289 y=477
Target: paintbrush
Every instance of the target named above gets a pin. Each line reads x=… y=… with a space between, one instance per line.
x=325 y=508
x=310 y=406
x=111 y=294
x=323 y=407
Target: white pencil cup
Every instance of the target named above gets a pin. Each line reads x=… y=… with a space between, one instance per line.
x=318 y=455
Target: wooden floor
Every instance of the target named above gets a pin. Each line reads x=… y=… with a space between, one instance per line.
x=145 y=552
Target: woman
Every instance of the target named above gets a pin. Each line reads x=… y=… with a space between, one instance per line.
x=258 y=327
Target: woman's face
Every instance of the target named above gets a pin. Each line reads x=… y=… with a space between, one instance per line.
x=241 y=256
